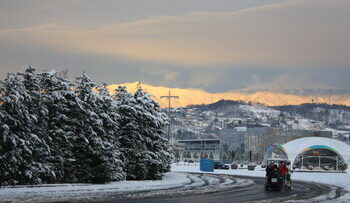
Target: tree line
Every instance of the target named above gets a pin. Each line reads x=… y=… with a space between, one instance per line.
x=53 y=130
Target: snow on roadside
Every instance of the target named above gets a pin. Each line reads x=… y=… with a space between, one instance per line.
x=79 y=192
x=172 y=184
x=336 y=179
x=211 y=180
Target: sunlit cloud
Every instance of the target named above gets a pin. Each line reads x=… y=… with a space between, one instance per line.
x=298 y=33
x=171 y=77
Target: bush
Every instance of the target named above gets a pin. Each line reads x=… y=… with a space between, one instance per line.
x=343 y=166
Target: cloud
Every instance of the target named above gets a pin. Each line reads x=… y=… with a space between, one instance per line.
x=298 y=33
x=290 y=81
x=171 y=77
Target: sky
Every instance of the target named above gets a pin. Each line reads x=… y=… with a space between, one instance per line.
x=217 y=46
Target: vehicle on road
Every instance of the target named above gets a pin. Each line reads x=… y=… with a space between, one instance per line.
x=219 y=165
x=234 y=166
x=276 y=181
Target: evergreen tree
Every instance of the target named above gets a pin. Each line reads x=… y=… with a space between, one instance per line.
x=112 y=165
x=54 y=131
x=96 y=145
x=132 y=142
x=41 y=153
x=60 y=100
x=152 y=123
x=87 y=143
x=177 y=155
x=19 y=146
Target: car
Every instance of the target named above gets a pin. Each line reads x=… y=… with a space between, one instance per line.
x=234 y=166
x=219 y=165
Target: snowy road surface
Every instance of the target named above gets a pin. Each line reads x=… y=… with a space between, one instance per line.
x=254 y=192
x=218 y=186
x=172 y=183
x=77 y=192
x=339 y=180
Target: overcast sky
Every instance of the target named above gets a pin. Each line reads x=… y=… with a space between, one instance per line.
x=216 y=45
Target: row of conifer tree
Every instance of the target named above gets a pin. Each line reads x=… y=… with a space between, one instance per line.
x=53 y=130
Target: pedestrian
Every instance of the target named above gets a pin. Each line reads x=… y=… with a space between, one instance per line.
x=270 y=170
x=283 y=170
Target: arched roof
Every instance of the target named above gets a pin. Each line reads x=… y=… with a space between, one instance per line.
x=295 y=147
x=278 y=146
x=269 y=152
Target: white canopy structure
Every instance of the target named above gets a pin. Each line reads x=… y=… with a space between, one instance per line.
x=312 y=147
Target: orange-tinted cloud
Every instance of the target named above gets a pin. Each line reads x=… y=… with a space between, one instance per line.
x=295 y=33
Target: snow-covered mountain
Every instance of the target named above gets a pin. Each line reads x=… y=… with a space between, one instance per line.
x=198 y=96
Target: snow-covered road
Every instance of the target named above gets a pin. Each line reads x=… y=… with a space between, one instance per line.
x=337 y=179
x=78 y=192
x=173 y=183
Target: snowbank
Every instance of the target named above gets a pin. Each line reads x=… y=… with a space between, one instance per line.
x=172 y=184
x=79 y=192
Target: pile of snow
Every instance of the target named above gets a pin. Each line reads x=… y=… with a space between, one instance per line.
x=85 y=192
x=172 y=184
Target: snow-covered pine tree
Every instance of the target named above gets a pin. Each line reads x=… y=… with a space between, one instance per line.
x=152 y=123
x=53 y=131
x=112 y=167
x=18 y=144
x=131 y=141
x=60 y=100
x=86 y=143
x=41 y=152
x=92 y=146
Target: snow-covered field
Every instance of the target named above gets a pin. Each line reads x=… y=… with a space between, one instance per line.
x=336 y=179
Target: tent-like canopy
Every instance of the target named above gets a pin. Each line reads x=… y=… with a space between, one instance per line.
x=299 y=146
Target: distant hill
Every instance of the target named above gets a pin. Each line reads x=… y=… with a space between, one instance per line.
x=303 y=116
x=218 y=106
x=333 y=115
x=197 y=96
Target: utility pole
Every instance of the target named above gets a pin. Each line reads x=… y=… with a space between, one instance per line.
x=169 y=97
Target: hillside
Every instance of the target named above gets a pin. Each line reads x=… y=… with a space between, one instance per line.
x=333 y=115
x=208 y=120
x=197 y=96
